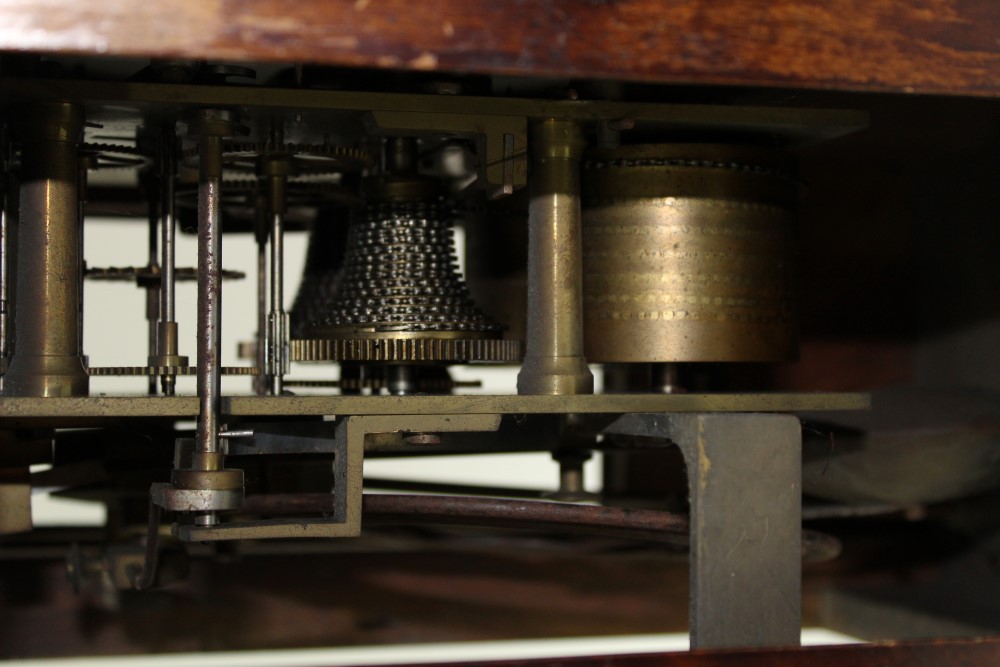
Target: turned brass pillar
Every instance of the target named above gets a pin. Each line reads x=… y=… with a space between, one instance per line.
x=553 y=360
x=47 y=359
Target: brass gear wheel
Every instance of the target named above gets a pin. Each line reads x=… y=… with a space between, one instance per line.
x=241 y=156
x=114 y=156
x=408 y=350
x=153 y=371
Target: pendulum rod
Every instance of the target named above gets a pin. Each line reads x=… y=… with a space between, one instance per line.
x=209 y=127
x=206 y=472
x=200 y=483
x=209 y=293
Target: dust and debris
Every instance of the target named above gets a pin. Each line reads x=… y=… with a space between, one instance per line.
x=425 y=60
x=704 y=465
x=811 y=428
x=340 y=42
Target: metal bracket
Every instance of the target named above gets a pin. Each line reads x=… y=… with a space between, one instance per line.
x=15 y=500
x=502 y=141
x=348 y=468
x=744 y=474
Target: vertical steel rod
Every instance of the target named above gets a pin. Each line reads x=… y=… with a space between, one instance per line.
x=262 y=379
x=4 y=280
x=209 y=294
x=84 y=164
x=553 y=360
x=152 y=290
x=168 y=227
x=220 y=488
x=274 y=169
x=5 y=241
x=278 y=316
x=167 y=344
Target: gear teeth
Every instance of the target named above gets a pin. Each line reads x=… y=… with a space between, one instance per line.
x=408 y=350
x=114 y=156
x=153 y=371
x=307 y=158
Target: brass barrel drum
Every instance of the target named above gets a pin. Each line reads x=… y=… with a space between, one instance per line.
x=688 y=254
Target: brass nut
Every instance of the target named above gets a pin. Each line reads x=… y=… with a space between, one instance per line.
x=208 y=480
x=196 y=500
x=206 y=461
x=212 y=123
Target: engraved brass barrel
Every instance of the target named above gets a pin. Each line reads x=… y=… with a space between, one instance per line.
x=688 y=254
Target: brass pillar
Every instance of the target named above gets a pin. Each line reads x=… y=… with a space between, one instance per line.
x=553 y=360
x=47 y=356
